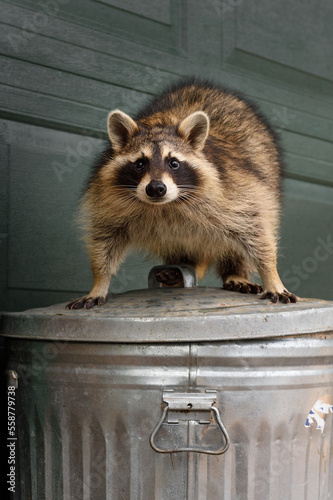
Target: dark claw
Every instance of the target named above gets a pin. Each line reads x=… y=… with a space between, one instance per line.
x=284 y=298
x=231 y=285
x=76 y=304
x=86 y=303
x=242 y=287
x=90 y=302
x=255 y=288
x=274 y=297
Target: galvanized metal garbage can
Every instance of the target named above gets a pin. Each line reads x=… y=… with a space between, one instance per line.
x=107 y=398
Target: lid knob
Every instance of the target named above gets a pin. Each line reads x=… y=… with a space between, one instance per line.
x=172 y=276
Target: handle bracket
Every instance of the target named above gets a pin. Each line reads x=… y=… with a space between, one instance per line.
x=183 y=406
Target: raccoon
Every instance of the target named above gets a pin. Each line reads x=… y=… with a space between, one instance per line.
x=194 y=178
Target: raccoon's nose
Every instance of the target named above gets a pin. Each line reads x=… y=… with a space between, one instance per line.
x=156 y=189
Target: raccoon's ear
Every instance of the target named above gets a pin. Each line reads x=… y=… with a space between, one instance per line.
x=194 y=128
x=121 y=128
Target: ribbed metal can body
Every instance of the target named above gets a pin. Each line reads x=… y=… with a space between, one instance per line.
x=87 y=411
x=107 y=398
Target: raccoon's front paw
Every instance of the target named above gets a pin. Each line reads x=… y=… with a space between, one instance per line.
x=241 y=285
x=86 y=302
x=284 y=297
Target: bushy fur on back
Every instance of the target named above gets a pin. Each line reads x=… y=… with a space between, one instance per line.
x=194 y=178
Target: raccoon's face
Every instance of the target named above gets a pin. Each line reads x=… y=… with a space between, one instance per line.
x=158 y=164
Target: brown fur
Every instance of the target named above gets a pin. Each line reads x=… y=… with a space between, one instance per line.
x=227 y=211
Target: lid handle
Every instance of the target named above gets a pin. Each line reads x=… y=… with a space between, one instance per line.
x=172 y=276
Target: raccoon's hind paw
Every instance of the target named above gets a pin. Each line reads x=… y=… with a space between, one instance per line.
x=285 y=297
x=242 y=285
x=86 y=302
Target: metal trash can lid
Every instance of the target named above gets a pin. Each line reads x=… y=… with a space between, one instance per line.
x=172 y=315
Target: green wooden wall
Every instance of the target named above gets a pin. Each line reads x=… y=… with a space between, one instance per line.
x=66 y=63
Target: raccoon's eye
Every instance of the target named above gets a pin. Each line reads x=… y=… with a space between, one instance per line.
x=140 y=165
x=174 y=164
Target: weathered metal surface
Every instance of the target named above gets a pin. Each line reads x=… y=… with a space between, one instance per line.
x=87 y=412
x=172 y=315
